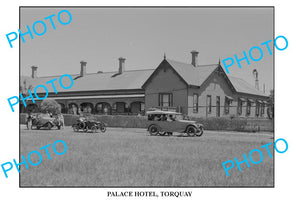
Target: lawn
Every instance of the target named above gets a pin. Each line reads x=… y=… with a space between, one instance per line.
x=130 y=157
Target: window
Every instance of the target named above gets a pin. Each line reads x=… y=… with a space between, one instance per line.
x=208 y=104
x=248 y=110
x=103 y=108
x=218 y=106
x=227 y=105
x=257 y=108
x=86 y=107
x=195 y=103
x=142 y=106
x=165 y=99
x=240 y=107
x=73 y=109
x=262 y=109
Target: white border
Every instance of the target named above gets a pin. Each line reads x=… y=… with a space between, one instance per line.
x=283 y=198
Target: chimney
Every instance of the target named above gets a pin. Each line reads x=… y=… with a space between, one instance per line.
x=82 y=68
x=255 y=74
x=121 y=65
x=34 y=72
x=195 y=58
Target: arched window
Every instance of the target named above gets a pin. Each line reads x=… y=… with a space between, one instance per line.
x=103 y=108
x=258 y=108
x=73 y=109
x=87 y=108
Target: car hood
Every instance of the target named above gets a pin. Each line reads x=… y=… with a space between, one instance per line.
x=190 y=122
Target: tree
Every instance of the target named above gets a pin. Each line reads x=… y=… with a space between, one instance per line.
x=50 y=106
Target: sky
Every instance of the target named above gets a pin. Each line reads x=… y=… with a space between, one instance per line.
x=100 y=36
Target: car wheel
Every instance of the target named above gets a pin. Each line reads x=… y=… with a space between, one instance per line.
x=200 y=131
x=82 y=125
x=162 y=133
x=75 y=128
x=49 y=126
x=153 y=130
x=191 y=131
x=102 y=128
x=94 y=129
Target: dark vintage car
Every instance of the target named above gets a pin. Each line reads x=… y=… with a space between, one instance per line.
x=43 y=120
x=86 y=124
x=166 y=122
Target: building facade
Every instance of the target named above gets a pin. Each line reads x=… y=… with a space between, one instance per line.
x=197 y=91
x=97 y=93
x=202 y=91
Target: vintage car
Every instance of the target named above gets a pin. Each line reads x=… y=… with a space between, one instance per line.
x=166 y=122
x=86 y=124
x=43 y=120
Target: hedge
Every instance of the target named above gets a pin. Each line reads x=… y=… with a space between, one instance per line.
x=112 y=120
x=127 y=121
x=237 y=124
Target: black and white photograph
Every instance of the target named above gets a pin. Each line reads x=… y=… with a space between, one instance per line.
x=147 y=96
x=149 y=106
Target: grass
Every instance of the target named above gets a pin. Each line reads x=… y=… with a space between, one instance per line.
x=129 y=157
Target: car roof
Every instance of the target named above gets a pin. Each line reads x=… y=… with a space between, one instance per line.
x=161 y=112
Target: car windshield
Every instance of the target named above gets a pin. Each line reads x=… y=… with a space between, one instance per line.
x=166 y=117
x=178 y=117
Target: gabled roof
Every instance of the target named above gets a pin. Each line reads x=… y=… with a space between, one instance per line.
x=192 y=75
x=196 y=76
x=128 y=80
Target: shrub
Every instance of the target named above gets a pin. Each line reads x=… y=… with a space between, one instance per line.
x=125 y=121
x=234 y=124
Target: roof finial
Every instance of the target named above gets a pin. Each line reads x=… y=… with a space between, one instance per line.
x=164 y=56
x=219 y=61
